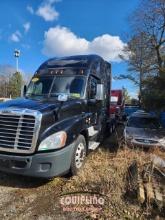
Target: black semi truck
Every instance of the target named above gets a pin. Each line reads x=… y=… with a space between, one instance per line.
x=64 y=112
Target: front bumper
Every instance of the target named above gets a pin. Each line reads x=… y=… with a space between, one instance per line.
x=134 y=143
x=44 y=165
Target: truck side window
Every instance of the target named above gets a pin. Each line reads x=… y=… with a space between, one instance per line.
x=92 y=88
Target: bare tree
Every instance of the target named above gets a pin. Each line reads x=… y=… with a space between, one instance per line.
x=145 y=51
x=149 y=18
x=139 y=59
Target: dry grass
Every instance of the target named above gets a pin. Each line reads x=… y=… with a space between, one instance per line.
x=158 y=152
x=106 y=173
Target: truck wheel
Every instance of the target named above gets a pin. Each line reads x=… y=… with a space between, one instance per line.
x=79 y=155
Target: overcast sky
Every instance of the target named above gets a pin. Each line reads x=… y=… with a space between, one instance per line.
x=50 y=28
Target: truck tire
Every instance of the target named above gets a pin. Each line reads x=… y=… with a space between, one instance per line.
x=79 y=155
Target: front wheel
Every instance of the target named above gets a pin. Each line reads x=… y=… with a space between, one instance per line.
x=79 y=155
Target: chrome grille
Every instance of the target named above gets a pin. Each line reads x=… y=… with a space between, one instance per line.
x=18 y=132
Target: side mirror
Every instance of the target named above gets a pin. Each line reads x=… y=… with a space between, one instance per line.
x=63 y=97
x=100 y=92
x=24 y=90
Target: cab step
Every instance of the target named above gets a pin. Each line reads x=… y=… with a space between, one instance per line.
x=93 y=145
x=92 y=131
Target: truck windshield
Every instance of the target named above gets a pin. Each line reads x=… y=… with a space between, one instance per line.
x=53 y=86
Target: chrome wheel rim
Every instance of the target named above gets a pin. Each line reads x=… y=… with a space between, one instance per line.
x=80 y=155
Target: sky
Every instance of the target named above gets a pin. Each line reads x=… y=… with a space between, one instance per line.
x=42 y=29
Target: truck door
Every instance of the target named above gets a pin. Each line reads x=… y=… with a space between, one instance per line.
x=94 y=106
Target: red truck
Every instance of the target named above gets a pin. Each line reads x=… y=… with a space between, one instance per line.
x=117 y=104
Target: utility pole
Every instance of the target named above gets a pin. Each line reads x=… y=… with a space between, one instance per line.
x=16 y=55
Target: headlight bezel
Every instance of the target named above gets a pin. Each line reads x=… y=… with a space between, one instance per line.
x=53 y=142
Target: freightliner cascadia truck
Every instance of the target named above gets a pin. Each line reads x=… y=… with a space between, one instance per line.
x=64 y=112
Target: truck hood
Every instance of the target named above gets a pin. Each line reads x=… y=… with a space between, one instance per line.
x=52 y=111
x=40 y=105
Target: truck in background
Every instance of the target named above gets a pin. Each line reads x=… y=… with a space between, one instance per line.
x=117 y=104
x=63 y=114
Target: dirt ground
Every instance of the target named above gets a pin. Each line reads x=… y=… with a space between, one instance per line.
x=104 y=172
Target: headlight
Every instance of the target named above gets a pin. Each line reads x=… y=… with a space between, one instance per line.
x=162 y=141
x=127 y=135
x=54 y=141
